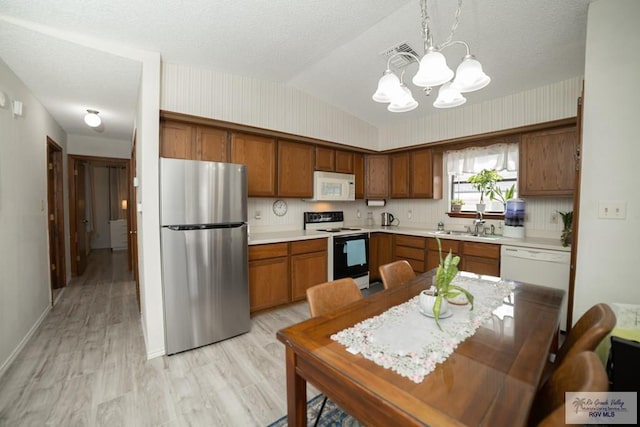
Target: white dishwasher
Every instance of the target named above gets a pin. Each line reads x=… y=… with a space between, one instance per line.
x=539 y=267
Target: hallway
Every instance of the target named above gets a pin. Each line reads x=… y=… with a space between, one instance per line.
x=86 y=365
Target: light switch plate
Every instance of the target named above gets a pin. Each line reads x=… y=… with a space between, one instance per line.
x=3 y=99
x=612 y=209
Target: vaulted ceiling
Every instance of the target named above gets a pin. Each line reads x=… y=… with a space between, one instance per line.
x=327 y=48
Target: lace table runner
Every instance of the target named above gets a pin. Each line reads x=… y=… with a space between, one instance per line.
x=411 y=344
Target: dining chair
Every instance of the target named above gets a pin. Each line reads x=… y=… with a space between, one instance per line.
x=588 y=331
x=330 y=296
x=592 y=327
x=396 y=273
x=580 y=372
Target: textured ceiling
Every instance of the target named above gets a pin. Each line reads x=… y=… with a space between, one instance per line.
x=327 y=48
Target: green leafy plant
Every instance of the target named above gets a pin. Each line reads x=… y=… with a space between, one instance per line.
x=447 y=270
x=508 y=193
x=567 y=230
x=485 y=182
x=457 y=202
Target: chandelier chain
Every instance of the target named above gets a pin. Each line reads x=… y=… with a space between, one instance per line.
x=426 y=30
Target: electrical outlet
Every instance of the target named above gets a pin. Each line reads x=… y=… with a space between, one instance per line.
x=554 y=218
x=358 y=213
x=409 y=214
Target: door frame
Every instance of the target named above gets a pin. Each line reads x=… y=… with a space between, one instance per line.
x=72 y=159
x=55 y=216
x=132 y=216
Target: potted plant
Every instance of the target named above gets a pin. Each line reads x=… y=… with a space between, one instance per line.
x=436 y=298
x=567 y=229
x=456 y=205
x=485 y=182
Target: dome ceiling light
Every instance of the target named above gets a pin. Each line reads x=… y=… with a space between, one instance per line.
x=433 y=71
x=92 y=119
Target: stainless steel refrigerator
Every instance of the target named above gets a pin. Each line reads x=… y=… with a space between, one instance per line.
x=203 y=219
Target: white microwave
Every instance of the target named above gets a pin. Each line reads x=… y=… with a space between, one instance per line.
x=330 y=186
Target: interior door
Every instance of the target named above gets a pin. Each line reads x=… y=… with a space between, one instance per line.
x=133 y=222
x=81 y=218
x=55 y=215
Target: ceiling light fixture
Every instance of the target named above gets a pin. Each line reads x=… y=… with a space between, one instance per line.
x=92 y=119
x=433 y=71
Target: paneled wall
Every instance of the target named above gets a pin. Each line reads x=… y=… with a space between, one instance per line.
x=543 y=104
x=260 y=103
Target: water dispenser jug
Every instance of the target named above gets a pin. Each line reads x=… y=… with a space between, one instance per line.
x=514 y=218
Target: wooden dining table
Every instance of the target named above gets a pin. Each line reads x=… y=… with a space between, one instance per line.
x=489 y=380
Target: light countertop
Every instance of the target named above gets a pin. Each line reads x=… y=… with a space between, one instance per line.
x=293 y=235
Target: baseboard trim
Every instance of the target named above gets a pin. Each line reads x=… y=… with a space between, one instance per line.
x=14 y=354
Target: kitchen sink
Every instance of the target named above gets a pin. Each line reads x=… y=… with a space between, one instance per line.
x=466 y=233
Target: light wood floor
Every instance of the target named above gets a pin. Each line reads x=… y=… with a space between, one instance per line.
x=86 y=365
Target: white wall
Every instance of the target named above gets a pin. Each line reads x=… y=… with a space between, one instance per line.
x=99 y=147
x=543 y=104
x=608 y=249
x=25 y=293
x=260 y=103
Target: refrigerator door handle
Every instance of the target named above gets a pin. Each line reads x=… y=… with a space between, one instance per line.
x=203 y=226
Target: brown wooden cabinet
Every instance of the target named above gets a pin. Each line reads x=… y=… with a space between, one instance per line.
x=380 y=253
x=296 y=162
x=194 y=142
x=412 y=249
x=358 y=171
x=433 y=255
x=480 y=258
x=259 y=154
x=325 y=159
x=344 y=161
x=212 y=144
x=176 y=140
x=308 y=266
x=416 y=174
x=399 y=173
x=280 y=273
x=268 y=276
x=376 y=176
x=547 y=163
x=426 y=174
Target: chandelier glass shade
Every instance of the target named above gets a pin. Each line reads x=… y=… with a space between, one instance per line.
x=92 y=119
x=433 y=71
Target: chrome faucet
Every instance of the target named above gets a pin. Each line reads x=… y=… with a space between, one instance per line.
x=478 y=223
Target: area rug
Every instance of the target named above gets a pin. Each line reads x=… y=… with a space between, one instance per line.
x=332 y=415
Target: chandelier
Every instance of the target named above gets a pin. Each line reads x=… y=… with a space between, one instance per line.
x=432 y=71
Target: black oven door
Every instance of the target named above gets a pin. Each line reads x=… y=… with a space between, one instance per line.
x=350 y=255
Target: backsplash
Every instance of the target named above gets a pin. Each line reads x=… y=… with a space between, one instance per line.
x=415 y=213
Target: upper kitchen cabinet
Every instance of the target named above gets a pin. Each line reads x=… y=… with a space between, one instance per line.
x=259 y=154
x=399 y=165
x=344 y=161
x=186 y=141
x=296 y=163
x=377 y=176
x=212 y=144
x=547 y=163
x=325 y=159
x=416 y=174
x=177 y=140
x=426 y=173
x=332 y=160
x=358 y=171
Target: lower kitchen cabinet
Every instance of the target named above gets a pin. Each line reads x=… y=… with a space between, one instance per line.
x=433 y=255
x=280 y=273
x=481 y=258
x=380 y=253
x=308 y=266
x=411 y=249
x=268 y=275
